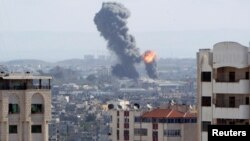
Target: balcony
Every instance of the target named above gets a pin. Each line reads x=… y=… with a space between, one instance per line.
x=241 y=112
x=240 y=87
x=24 y=82
x=24 y=87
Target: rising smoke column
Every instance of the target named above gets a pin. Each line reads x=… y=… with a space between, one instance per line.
x=111 y=22
x=149 y=58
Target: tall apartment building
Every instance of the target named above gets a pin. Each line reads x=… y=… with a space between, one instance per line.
x=25 y=107
x=153 y=125
x=223 y=86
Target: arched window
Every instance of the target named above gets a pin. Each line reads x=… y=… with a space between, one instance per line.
x=14 y=104
x=37 y=104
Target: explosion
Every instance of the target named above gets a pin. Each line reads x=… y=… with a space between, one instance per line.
x=149 y=56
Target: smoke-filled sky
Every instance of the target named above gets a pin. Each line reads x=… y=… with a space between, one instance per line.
x=61 y=29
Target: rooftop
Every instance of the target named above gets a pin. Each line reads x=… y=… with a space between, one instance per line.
x=20 y=76
x=167 y=113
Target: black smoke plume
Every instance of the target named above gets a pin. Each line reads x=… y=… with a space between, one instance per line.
x=151 y=69
x=111 y=22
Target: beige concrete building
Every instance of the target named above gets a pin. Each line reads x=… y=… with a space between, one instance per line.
x=25 y=107
x=223 y=86
x=153 y=125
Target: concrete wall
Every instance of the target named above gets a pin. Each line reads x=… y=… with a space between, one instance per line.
x=230 y=54
x=24 y=119
x=226 y=57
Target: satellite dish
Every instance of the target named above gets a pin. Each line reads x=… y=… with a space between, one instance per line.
x=136 y=106
x=172 y=102
x=110 y=106
x=190 y=107
x=119 y=106
x=149 y=106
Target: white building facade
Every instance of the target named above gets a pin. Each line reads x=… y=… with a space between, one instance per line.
x=25 y=107
x=154 y=125
x=223 y=86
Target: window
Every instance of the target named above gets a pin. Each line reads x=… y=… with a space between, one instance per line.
x=231 y=123
x=126 y=120
x=144 y=132
x=117 y=113
x=155 y=136
x=186 y=120
x=126 y=125
x=137 y=131
x=231 y=76
x=206 y=76
x=221 y=121
x=13 y=109
x=140 y=132
x=206 y=101
x=13 y=129
x=205 y=125
x=231 y=101
x=163 y=120
x=154 y=120
x=137 y=119
x=247 y=75
x=117 y=134
x=247 y=100
x=155 y=126
x=126 y=134
x=36 y=108
x=189 y=120
x=126 y=113
x=36 y=129
x=146 y=120
x=178 y=120
x=193 y=120
x=170 y=120
x=126 y=137
x=172 y=133
x=118 y=125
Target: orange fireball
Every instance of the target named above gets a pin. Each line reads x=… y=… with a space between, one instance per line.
x=149 y=56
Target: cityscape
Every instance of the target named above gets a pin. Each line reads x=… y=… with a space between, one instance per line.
x=80 y=95
x=123 y=91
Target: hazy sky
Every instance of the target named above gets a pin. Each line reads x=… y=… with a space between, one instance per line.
x=147 y=16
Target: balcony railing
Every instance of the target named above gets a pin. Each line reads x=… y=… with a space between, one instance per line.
x=225 y=103
x=225 y=77
x=24 y=87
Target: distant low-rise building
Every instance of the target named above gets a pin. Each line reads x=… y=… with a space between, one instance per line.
x=54 y=128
